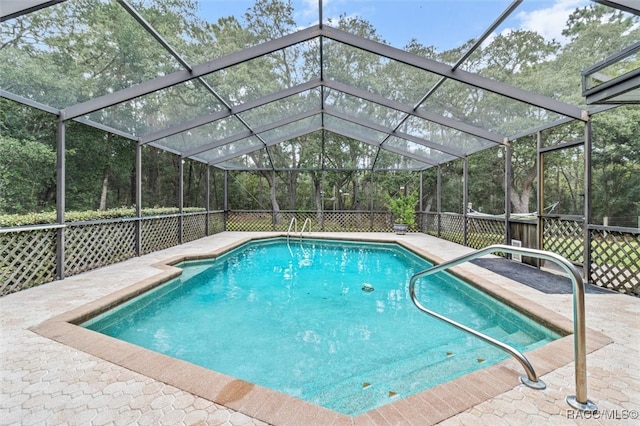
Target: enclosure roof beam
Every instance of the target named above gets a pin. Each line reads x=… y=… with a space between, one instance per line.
x=559 y=122
x=631 y=6
x=55 y=111
x=386 y=130
x=245 y=134
x=13 y=9
x=377 y=145
x=29 y=102
x=476 y=44
x=182 y=76
x=445 y=70
x=294 y=135
x=312 y=129
x=209 y=118
x=106 y=128
x=420 y=113
x=184 y=126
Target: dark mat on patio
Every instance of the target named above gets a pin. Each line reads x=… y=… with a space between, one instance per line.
x=543 y=281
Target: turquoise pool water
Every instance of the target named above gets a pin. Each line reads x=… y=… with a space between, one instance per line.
x=297 y=317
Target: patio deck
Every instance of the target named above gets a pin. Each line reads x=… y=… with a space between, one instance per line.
x=48 y=382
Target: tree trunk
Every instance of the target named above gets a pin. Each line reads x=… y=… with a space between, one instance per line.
x=318 y=197
x=274 y=201
x=520 y=202
x=270 y=178
x=429 y=202
x=105 y=189
x=293 y=189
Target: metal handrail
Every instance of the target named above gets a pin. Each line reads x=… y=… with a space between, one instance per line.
x=294 y=222
x=304 y=225
x=578 y=401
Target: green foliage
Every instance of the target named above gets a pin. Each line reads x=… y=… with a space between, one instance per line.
x=76 y=51
x=27 y=174
x=403 y=208
x=11 y=220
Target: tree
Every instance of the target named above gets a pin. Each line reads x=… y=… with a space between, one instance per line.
x=27 y=175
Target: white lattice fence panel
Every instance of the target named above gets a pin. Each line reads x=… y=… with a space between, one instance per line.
x=249 y=221
x=159 y=233
x=193 y=227
x=27 y=259
x=382 y=222
x=357 y=221
x=564 y=237
x=284 y=221
x=615 y=261
x=90 y=246
x=484 y=232
x=452 y=228
x=430 y=223
x=216 y=223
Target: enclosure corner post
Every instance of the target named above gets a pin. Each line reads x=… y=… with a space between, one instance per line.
x=138 y=201
x=371 y=193
x=439 y=200
x=586 y=267
x=207 y=201
x=226 y=198
x=60 y=197
x=420 y=203
x=465 y=201
x=181 y=201
x=507 y=191
x=540 y=197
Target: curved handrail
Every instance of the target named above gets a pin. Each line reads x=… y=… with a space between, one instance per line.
x=304 y=225
x=293 y=222
x=531 y=379
x=580 y=400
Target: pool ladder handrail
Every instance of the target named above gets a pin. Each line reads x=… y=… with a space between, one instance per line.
x=294 y=223
x=304 y=225
x=578 y=401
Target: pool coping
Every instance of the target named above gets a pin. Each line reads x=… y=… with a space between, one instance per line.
x=427 y=407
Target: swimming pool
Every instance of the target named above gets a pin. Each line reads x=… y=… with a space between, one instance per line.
x=365 y=348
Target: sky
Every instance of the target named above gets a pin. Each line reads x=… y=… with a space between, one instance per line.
x=444 y=24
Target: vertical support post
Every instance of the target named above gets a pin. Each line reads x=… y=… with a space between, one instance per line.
x=226 y=198
x=181 y=201
x=508 y=171
x=439 y=199
x=465 y=200
x=60 y=197
x=138 y=200
x=274 y=192
x=540 y=197
x=420 y=205
x=586 y=267
x=580 y=399
x=371 y=193
x=207 y=201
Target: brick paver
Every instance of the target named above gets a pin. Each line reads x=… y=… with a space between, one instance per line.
x=47 y=383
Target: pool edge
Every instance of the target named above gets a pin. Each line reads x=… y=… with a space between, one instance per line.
x=427 y=407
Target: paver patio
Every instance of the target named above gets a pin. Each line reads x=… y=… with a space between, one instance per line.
x=46 y=382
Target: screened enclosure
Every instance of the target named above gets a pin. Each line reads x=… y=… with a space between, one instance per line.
x=132 y=126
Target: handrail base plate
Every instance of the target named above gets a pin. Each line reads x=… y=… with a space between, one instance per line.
x=588 y=406
x=539 y=385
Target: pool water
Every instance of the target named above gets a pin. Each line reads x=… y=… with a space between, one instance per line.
x=330 y=322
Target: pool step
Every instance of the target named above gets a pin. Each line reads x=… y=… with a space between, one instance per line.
x=518 y=339
x=363 y=384
x=409 y=376
x=409 y=382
